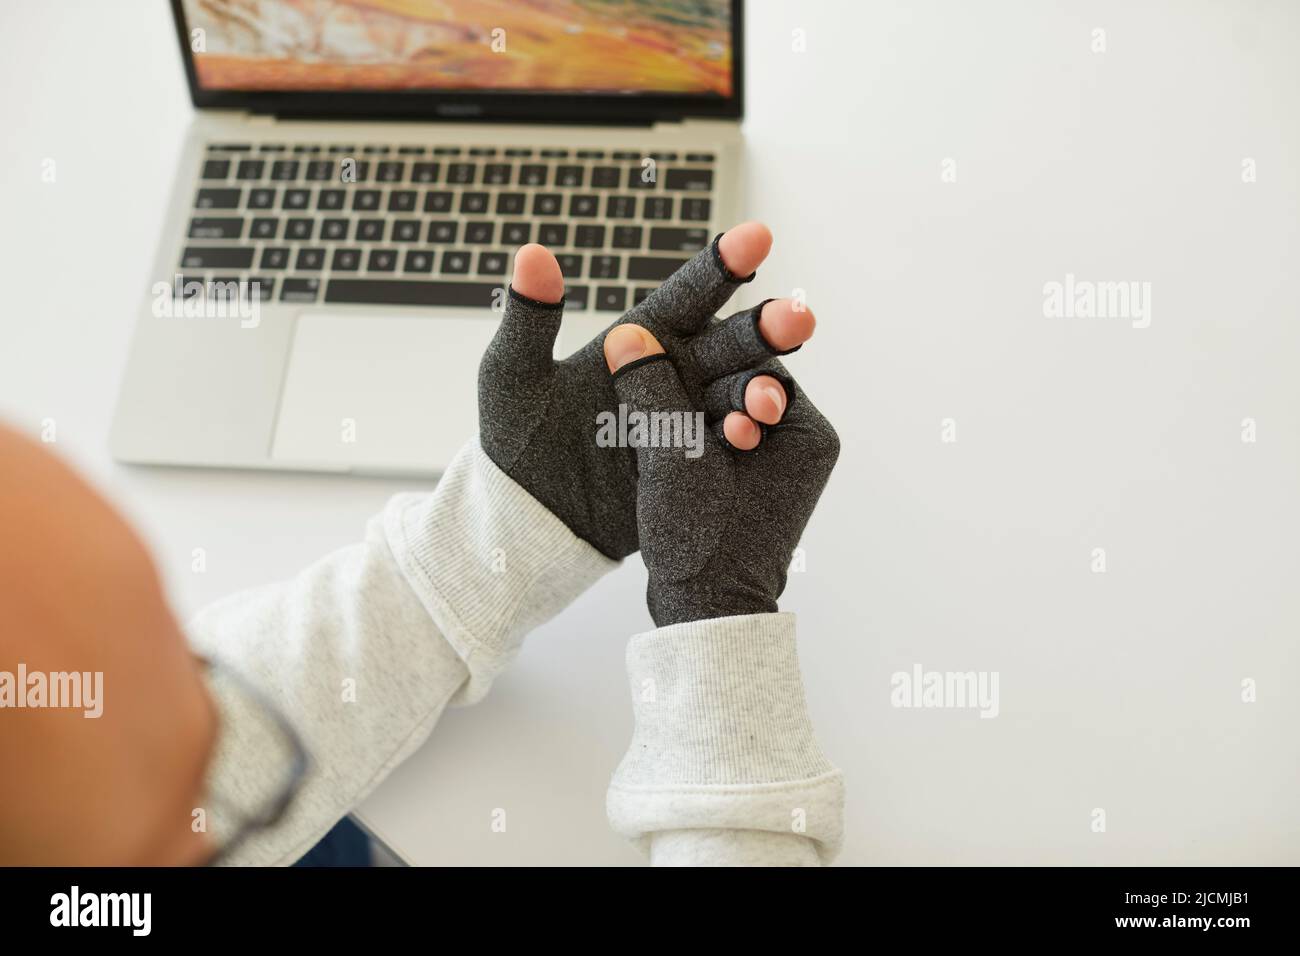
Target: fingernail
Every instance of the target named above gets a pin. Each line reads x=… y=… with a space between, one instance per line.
x=777 y=394
x=622 y=346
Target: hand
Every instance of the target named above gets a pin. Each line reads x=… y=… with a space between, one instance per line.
x=538 y=417
x=718 y=529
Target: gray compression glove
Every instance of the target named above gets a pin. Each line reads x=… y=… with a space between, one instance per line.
x=538 y=417
x=718 y=530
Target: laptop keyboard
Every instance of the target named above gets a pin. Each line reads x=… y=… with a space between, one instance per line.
x=438 y=225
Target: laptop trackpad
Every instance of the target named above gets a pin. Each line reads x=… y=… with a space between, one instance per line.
x=380 y=394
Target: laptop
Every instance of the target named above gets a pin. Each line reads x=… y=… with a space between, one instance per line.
x=352 y=189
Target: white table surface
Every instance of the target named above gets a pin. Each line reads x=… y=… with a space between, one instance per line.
x=1118 y=691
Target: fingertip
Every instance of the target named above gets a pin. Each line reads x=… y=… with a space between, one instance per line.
x=627 y=342
x=765 y=399
x=537 y=274
x=742 y=431
x=786 y=325
x=744 y=247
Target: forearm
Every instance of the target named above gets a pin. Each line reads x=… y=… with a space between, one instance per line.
x=724 y=767
x=365 y=649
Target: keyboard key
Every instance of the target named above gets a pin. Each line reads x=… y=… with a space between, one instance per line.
x=216 y=169
x=642 y=177
x=390 y=171
x=343 y=149
x=554 y=154
x=401 y=200
x=354 y=170
x=299 y=290
x=589 y=237
x=218 y=199
x=370 y=230
x=365 y=200
x=406 y=230
x=216 y=257
x=670 y=239
x=553 y=234
x=261 y=198
x=418 y=260
x=264 y=228
x=274 y=259
x=611 y=298
x=516 y=233
x=437 y=201
x=641 y=293
x=591 y=154
x=657 y=207
x=496 y=174
x=604 y=177
x=699 y=157
x=519 y=151
x=424 y=173
x=296 y=199
x=625 y=154
x=346 y=260
x=479 y=233
x=492 y=263
x=210 y=228
x=411 y=292
x=482 y=151
x=455 y=263
x=299 y=229
x=605 y=267
x=546 y=204
x=652 y=268
x=260 y=287
x=334 y=230
x=569 y=176
x=627 y=237
x=695 y=210
x=584 y=206
x=620 y=207
x=272 y=148
x=443 y=231
x=510 y=204
x=377 y=150
x=319 y=170
x=411 y=150
x=250 y=169
x=382 y=260
x=576 y=296
x=446 y=150
x=532 y=174
x=284 y=170
x=306 y=149
x=309 y=260
x=461 y=173
x=230 y=147
x=664 y=157
x=331 y=199
x=694 y=180
x=570 y=265
x=473 y=204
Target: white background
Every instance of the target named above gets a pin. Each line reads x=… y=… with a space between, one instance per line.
x=1119 y=690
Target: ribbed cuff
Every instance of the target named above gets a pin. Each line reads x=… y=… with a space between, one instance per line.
x=488 y=561
x=723 y=738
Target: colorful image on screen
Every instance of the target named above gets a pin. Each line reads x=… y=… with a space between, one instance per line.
x=572 y=46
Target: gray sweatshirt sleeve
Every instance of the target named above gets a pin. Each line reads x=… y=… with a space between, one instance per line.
x=724 y=768
x=365 y=649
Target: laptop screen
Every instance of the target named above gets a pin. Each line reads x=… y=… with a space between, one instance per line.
x=594 y=47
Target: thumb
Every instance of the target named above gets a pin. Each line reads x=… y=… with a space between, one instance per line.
x=525 y=341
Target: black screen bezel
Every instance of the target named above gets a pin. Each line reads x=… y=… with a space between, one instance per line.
x=543 y=106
